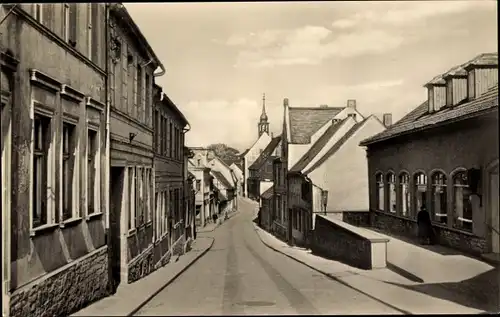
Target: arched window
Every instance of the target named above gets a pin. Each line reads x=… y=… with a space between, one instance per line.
x=439 y=201
x=420 y=191
x=462 y=208
x=404 y=186
x=379 y=198
x=391 y=191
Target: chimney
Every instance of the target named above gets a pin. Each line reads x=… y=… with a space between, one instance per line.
x=351 y=103
x=285 y=102
x=456 y=86
x=387 y=120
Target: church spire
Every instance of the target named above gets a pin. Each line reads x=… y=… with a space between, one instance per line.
x=263 y=124
x=263 y=116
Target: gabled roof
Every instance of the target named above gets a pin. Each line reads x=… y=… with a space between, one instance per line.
x=304 y=122
x=244 y=153
x=317 y=147
x=222 y=179
x=268 y=194
x=265 y=153
x=337 y=145
x=412 y=122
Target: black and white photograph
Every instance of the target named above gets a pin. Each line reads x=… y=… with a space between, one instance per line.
x=249 y=158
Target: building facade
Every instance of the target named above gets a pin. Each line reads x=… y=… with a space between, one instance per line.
x=171 y=197
x=432 y=158
x=131 y=66
x=262 y=169
x=205 y=204
x=54 y=202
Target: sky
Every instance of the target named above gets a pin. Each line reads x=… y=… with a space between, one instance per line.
x=221 y=57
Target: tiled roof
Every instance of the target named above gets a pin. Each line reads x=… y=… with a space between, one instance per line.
x=337 y=145
x=485 y=102
x=265 y=153
x=304 y=122
x=316 y=147
x=268 y=194
x=222 y=179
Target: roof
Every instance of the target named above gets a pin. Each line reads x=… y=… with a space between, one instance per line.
x=268 y=194
x=222 y=179
x=304 y=122
x=317 y=147
x=166 y=100
x=265 y=153
x=414 y=122
x=244 y=153
x=337 y=145
x=221 y=196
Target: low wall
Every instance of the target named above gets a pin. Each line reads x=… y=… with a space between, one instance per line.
x=142 y=265
x=406 y=227
x=354 y=246
x=65 y=291
x=279 y=231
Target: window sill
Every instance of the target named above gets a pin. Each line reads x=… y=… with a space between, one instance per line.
x=70 y=222
x=43 y=228
x=93 y=215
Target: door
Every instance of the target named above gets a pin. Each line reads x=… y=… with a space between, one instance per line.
x=117 y=175
x=495 y=219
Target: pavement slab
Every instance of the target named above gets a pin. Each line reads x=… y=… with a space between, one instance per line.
x=130 y=297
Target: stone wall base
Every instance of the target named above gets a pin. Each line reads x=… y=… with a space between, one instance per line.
x=82 y=282
x=405 y=227
x=141 y=266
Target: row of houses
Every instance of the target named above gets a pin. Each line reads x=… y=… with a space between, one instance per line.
x=340 y=164
x=217 y=185
x=95 y=185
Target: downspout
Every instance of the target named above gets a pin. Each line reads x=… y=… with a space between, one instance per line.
x=108 y=134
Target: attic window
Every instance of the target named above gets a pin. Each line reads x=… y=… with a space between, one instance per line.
x=352 y=115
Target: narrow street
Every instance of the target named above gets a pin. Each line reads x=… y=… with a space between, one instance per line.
x=240 y=275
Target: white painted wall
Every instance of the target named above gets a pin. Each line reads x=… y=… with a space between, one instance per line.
x=345 y=174
x=254 y=153
x=217 y=165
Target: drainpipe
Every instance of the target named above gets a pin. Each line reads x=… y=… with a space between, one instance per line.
x=108 y=134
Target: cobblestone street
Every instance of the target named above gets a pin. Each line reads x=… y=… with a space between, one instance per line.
x=240 y=275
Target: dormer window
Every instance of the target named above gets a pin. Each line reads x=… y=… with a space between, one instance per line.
x=482 y=74
x=471 y=87
x=436 y=94
x=352 y=115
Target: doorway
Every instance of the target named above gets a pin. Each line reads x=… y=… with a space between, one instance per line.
x=117 y=176
x=493 y=204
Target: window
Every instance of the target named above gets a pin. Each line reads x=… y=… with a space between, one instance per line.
x=420 y=191
x=439 y=202
x=68 y=167
x=170 y=140
x=131 y=202
x=158 y=218
x=379 y=194
x=89 y=30
x=38 y=12
x=149 y=216
x=462 y=208
x=449 y=93
x=94 y=32
x=156 y=131
x=92 y=184
x=198 y=185
x=164 y=136
x=139 y=198
x=139 y=92
x=199 y=162
x=391 y=190
x=148 y=97
x=471 y=85
x=66 y=22
x=41 y=140
x=404 y=185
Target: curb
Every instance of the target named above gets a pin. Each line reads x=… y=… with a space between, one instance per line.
x=219 y=224
x=135 y=310
x=327 y=274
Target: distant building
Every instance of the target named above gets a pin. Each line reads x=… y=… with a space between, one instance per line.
x=205 y=197
x=443 y=155
x=261 y=171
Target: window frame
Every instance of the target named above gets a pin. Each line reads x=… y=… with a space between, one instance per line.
x=404 y=183
x=439 y=180
x=89 y=30
x=131 y=198
x=45 y=154
x=38 y=12
x=66 y=22
x=93 y=152
x=468 y=203
x=69 y=187
x=391 y=191
x=416 y=182
x=379 y=191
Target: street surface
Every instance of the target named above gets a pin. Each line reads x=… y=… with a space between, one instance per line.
x=241 y=276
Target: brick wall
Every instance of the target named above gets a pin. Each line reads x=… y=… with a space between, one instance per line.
x=74 y=287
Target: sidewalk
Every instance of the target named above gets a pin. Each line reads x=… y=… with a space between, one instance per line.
x=397 y=290
x=129 y=298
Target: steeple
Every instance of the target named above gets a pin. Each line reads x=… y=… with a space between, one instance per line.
x=263 y=124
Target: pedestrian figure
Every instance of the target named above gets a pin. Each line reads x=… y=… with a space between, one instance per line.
x=425 y=232
x=214 y=217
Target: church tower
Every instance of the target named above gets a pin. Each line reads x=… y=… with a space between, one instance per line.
x=263 y=124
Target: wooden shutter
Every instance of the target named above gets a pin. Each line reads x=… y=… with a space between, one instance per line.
x=73 y=22
x=48 y=15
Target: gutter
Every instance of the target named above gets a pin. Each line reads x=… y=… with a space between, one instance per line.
x=108 y=132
